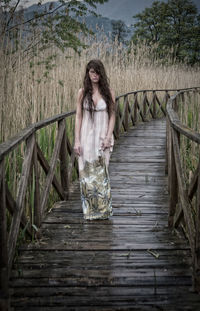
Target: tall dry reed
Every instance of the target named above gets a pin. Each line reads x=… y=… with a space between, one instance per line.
x=26 y=96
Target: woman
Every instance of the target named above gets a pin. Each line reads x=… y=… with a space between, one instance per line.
x=94 y=124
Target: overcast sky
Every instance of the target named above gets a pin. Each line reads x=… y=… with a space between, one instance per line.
x=30 y=2
x=110 y=8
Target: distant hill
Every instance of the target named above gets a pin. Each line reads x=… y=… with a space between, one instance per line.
x=123 y=9
x=91 y=21
x=111 y=10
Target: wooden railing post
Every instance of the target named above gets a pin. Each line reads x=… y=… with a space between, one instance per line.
x=154 y=104
x=21 y=194
x=135 y=108
x=4 y=290
x=176 y=103
x=117 y=130
x=37 y=210
x=167 y=145
x=173 y=182
x=126 y=103
x=64 y=166
x=144 y=105
x=197 y=239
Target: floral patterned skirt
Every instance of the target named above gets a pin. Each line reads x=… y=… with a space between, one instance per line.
x=95 y=190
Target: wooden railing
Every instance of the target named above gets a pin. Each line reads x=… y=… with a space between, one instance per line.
x=183 y=210
x=131 y=108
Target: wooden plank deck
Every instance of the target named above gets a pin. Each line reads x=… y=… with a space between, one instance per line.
x=111 y=264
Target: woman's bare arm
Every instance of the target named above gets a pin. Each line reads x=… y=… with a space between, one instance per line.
x=111 y=125
x=78 y=122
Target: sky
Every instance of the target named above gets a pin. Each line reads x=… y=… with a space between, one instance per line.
x=27 y=3
x=115 y=9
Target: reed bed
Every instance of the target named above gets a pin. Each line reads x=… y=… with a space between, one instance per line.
x=32 y=92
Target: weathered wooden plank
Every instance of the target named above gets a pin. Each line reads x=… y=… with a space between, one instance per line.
x=101 y=280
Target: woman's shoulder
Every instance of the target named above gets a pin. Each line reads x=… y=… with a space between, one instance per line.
x=80 y=93
x=112 y=93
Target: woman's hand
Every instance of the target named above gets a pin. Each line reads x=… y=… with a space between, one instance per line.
x=106 y=143
x=77 y=148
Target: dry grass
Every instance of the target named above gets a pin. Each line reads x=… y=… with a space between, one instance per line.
x=27 y=96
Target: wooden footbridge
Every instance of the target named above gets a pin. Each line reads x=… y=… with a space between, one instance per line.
x=145 y=257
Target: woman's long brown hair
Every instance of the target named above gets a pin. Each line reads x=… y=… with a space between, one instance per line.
x=103 y=83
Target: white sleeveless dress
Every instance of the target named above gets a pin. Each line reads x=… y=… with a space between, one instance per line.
x=93 y=163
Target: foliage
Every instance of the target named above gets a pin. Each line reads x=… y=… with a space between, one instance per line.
x=119 y=31
x=172 y=28
x=52 y=24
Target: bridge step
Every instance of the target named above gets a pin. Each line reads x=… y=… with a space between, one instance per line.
x=131 y=262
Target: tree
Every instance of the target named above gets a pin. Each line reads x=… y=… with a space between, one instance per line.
x=49 y=24
x=171 y=28
x=119 y=31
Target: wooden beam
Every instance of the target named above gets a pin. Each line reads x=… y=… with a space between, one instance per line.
x=4 y=299
x=64 y=166
x=130 y=111
x=183 y=194
x=154 y=104
x=46 y=168
x=178 y=126
x=121 y=121
x=196 y=275
x=23 y=183
x=193 y=184
x=12 y=207
x=116 y=129
x=135 y=108
x=126 y=116
x=160 y=105
x=37 y=210
x=53 y=162
x=144 y=105
x=173 y=183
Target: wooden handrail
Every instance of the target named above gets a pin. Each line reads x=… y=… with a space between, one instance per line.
x=12 y=143
x=131 y=108
x=157 y=90
x=177 y=124
x=181 y=210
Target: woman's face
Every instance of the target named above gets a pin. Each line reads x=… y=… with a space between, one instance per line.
x=94 y=77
